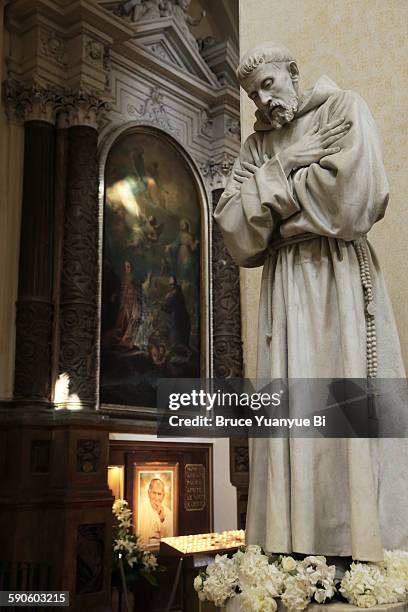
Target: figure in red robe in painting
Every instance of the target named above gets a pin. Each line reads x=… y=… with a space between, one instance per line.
x=127 y=322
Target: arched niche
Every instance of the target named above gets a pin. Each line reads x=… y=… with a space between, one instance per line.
x=155 y=291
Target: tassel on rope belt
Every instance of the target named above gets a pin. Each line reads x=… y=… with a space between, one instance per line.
x=361 y=249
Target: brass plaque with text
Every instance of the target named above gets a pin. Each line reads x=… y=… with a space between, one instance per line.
x=194 y=479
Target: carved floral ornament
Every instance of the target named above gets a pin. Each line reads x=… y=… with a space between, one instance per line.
x=233 y=127
x=153 y=111
x=216 y=171
x=53 y=46
x=94 y=51
x=32 y=101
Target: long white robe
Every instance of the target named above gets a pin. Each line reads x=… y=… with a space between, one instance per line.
x=150 y=528
x=340 y=497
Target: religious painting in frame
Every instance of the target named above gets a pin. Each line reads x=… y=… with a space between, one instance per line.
x=155 y=502
x=152 y=325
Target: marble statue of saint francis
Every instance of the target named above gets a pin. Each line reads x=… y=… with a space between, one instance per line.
x=307 y=187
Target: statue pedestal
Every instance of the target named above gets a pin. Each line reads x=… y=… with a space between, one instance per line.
x=234 y=606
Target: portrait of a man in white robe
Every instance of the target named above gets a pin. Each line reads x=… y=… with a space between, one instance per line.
x=155 y=512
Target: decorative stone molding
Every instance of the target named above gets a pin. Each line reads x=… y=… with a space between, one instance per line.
x=107 y=66
x=223 y=58
x=228 y=353
x=160 y=50
x=241 y=459
x=207 y=125
x=94 y=51
x=79 y=287
x=216 y=172
x=90 y=553
x=83 y=108
x=153 y=111
x=152 y=10
x=33 y=354
x=206 y=42
x=88 y=456
x=53 y=46
x=233 y=127
x=30 y=101
x=227 y=342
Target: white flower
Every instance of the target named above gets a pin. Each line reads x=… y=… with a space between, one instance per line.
x=368 y=584
x=257 y=599
x=198 y=583
x=149 y=561
x=298 y=592
x=119 y=505
x=288 y=564
x=366 y=601
x=273 y=580
x=254 y=549
x=252 y=568
x=396 y=565
x=386 y=592
x=221 y=581
x=126 y=542
x=359 y=580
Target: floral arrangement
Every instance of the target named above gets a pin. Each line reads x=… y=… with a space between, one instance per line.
x=136 y=561
x=370 y=584
x=256 y=581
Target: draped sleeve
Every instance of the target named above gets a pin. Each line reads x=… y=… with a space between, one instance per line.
x=248 y=212
x=344 y=194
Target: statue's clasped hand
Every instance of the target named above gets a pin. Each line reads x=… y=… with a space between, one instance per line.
x=311 y=148
x=248 y=170
x=314 y=145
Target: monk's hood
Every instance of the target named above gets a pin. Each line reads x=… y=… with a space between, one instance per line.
x=312 y=98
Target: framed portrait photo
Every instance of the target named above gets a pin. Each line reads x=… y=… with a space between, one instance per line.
x=155 y=502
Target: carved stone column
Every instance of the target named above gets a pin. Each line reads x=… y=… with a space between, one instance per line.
x=227 y=340
x=78 y=327
x=80 y=442
x=36 y=107
x=228 y=354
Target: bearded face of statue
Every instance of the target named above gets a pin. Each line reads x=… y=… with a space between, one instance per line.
x=271 y=86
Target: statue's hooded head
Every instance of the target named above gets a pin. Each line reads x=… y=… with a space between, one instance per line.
x=270 y=76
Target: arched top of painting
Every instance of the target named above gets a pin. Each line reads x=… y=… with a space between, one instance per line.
x=150 y=174
x=164 y=130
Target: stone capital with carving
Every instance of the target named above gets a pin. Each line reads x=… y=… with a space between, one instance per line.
x=29 y=101
x=81 y=108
